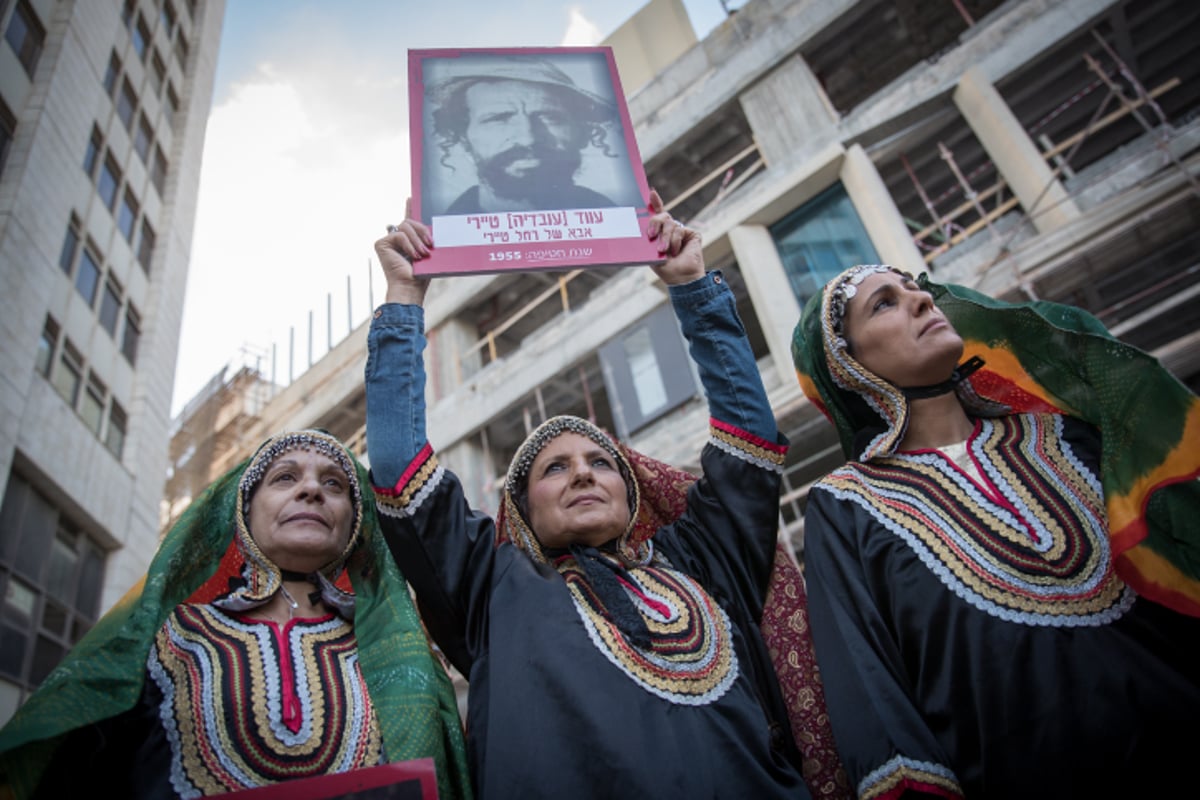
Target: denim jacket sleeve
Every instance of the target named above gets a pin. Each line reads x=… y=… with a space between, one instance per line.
x=395 y=390
x=707 y=314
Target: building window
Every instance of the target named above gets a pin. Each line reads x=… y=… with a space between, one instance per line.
x=26 y=35
x=46 y=345
x=92 y=407
x=141 y=37
x=69 y=373
x=110 y=306
x=819 y=240
x=146 y=246
x=127 y=216
x=127 y=13
x=647 y=371
x=66 y=258
x=8 y=129
x=158 y=73
x=110 y=179
x=114 y=437
x=92 y=155
x=172 y=103
x=133 y=334
x=143 y=138
x=111 y=74
x=127 y=105
x=51 y=574
x=158 y=170
x=181 y=51
x=88 y=277
x=168 y=17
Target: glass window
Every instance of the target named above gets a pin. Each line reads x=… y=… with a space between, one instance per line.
x=111 y=74
x=69 y=373
x=141 y=37
x=132 y=335
x=647 y=371
x=127 y=105
x=158 y=170
x=168 y=17
x=51 y=572
x=92 y=407
x=92 y=155
x=643 y=368
x=141 y=142
x=114 y=438
x=26 y=35
x=172 y=103
x=110 y=179
x=158 y=72
x=110 y=306
x=46 y=345
x=819 y=240
x=181 y=51
x=146 y=246
x=66 y=258
x=8 y=129
x=88 y=276
x=127 y=216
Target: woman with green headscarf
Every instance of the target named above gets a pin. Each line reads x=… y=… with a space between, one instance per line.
x=272 y=639
x=1003 y=576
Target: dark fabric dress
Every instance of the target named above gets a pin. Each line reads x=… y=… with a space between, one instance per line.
x=977 y=637
x=561 y=704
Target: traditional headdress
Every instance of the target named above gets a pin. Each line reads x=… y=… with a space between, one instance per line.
x=1049 y=358
x=870 y=412
x=513 y=523
x=261 y=577
x=208 y=556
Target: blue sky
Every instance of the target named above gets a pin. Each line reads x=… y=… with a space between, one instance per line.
x=306 y=159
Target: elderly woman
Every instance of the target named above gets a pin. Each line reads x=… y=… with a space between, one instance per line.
x=272 y=639
x=605 y=659
x=1003 y=576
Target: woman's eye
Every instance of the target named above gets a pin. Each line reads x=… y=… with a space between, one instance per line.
x=334 y=483
x=282 y=476
x=602 y=462
x=553 y=466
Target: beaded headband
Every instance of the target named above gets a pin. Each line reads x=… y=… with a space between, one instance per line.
x=263 y=576
x=517 y=528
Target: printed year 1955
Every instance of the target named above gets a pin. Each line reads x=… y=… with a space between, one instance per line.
x=504 y=255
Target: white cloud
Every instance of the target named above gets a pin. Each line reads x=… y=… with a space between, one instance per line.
x=581 y=31
x=296 y=186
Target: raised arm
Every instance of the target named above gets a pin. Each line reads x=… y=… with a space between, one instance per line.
x=708 y=317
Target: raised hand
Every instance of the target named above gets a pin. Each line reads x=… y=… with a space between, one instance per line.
x=680 y=244
x=405 y=243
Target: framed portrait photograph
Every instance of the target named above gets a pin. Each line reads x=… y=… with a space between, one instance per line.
x=524 y=159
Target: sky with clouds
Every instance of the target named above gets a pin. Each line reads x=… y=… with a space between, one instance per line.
x=306 y=159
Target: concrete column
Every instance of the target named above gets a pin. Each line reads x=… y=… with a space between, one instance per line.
x=445 y=362
x=789 y=112
x=776 y=305
x=467 y=459
x=877 y=210
x=1016 y=157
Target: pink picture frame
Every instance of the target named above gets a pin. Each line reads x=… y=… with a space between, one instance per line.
x=525 y=159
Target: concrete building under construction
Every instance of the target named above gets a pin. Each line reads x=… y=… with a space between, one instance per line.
x=1032 y=148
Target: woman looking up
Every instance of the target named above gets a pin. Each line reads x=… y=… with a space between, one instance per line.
x=606 y=658
x=272 y=639
x=990 y=619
